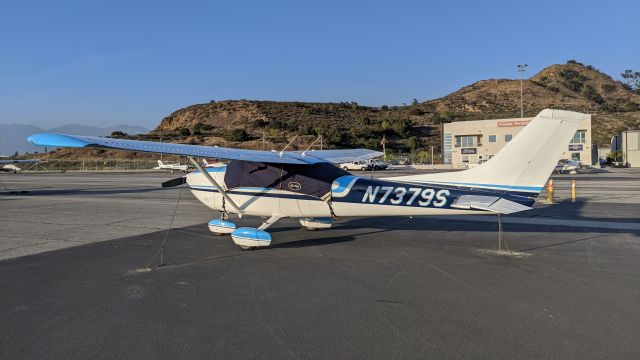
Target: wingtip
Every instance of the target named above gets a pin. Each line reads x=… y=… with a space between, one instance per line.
x=48 y=139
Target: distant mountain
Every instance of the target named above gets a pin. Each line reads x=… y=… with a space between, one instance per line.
x=76 y=129
x=13 y=136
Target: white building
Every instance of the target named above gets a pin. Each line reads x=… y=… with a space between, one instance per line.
x=473 y=142
x=630 y=148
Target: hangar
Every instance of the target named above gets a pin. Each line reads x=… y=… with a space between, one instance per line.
x=468 y=143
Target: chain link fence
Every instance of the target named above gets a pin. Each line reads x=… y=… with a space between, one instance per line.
x=93 y=165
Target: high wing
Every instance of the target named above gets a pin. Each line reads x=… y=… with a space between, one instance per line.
x=285 y=157
x=18 y=161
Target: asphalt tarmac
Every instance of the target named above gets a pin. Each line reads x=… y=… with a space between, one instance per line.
x=367 y=288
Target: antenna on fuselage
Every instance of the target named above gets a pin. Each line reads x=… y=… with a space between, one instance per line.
x=282 y=151
x=313 y=143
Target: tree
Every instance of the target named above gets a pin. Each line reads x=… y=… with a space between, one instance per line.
x=197 y=128
x=414 y=102
x=632 y=80
x=15 y=154
x=443 y=117
x=422 y=156
x=591 y=94
x=184 y=132
x=236 y=135
x=118 y=134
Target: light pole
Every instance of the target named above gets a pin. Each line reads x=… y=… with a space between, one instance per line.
x=521 y=69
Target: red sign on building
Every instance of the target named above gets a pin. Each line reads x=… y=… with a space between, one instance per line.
x=513 y=123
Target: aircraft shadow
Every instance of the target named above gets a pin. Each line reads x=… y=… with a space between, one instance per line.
x=106 y=191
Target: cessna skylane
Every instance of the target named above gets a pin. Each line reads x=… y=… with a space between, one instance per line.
x=307 y=185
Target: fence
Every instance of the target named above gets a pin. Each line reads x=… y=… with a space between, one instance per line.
x=93 y=165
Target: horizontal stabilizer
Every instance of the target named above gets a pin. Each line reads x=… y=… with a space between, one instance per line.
x=488 y=203
x=284 y=157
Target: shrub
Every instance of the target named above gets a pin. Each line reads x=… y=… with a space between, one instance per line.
x=236 y=135
x=118 y=134
x=184 y=132
x=631 y=106
x=591 y=94
x=260 y=123
x=416 y=111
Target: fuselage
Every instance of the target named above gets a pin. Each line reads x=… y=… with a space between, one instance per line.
x=350 y=196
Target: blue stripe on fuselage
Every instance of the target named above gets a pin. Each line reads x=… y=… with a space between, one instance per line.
x=370 y=191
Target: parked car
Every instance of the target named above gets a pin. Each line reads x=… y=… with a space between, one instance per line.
x=357 y=165
x=378 y=164
x=566 y=166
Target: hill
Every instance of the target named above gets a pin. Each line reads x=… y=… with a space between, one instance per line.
x=570 y=86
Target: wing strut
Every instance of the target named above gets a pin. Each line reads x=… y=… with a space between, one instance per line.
x=215 y=185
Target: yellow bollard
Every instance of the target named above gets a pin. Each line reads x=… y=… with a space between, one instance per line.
x=573 y=191
x=550 y=192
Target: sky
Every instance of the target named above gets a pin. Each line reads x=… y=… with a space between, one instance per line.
x=111 y=62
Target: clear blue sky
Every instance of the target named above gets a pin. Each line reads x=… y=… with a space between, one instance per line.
x=110 y=62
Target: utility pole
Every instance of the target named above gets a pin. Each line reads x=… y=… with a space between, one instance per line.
x=521 y=69
x=431 y=154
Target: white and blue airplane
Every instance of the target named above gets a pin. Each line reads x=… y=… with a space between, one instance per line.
x=307 y=185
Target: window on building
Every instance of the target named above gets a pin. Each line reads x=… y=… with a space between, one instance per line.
x=580 y=137
x=465 y=159
x=508 y=137
x=490 y=156
x=492 y=138
x=465 y=141
x=575 y=156
x=447 y=148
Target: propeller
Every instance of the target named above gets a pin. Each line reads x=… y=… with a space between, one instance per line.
x=174 y=182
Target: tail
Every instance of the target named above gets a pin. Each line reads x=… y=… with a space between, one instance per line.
x=526 y=162
x=160 y=163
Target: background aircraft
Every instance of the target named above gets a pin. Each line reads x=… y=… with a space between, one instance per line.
x=308 y=186
x=10 y=165
x=172 y=167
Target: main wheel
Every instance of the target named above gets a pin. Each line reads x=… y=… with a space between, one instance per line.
x=246 y=248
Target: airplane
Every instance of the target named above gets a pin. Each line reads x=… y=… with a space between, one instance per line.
x=308 y=186
x=171 y=167
x=10 y=165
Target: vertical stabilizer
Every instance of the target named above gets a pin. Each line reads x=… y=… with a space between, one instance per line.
x=526 y=162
